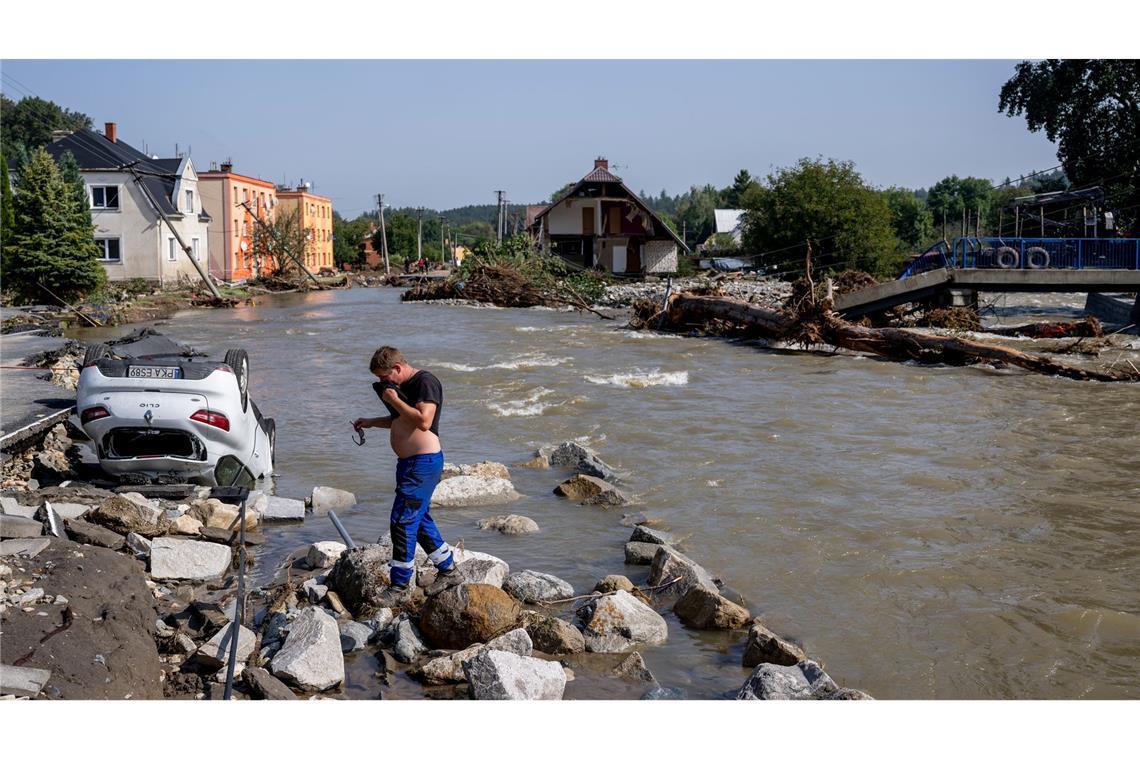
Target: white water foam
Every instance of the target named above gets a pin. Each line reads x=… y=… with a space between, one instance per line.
x=528 y=406
x=526 y=361
x=639 y=379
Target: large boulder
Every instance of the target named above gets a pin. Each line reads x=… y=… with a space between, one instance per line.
x=702 y=608
x=804 y=680
x=764 y=646
x=14 y=526
x=575 y=456
x=495 y=674
x=325 y=498
x=474 y=491
x=324 y=554
x=480 y=470
x=124 y=515
x=276 y=508
x=477 y=567
x=311 y=657
x=553 y=635
x=639 y=553
x=360 y=576
x=215 y=513
x=619 y=622
x=471 y=613
x=668 y=563
x=613 y=583
x=509 y=525
x=590 y=490
x=530 y=586
x=407 y=644
x=449 y=668
x=647 y=535
x=189 y=560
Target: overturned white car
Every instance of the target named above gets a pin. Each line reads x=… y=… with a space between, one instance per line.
x=159 y=412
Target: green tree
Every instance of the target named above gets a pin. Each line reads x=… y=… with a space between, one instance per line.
x=348 y=239
x=53 y=243
x=734 y=195
x=911 y=218
x=471 y=233
x=695 y=213
x=280 y=243
x=400 y=229
x=27 y=124
x=1091 y=110
x=954 y=198
x=826 y=202
x=561 y=191
x=7 y=217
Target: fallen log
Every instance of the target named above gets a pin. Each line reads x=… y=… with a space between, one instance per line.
x=816 y=323
x=1089 y=327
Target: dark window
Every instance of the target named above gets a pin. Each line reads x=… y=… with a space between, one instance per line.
x=104 y=196
x=111 y=250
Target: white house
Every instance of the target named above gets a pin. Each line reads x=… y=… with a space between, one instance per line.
x=133 y=198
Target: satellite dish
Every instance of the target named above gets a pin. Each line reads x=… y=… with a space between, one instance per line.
x=243 y=246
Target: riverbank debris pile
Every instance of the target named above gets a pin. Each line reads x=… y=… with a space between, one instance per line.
x=808 y=320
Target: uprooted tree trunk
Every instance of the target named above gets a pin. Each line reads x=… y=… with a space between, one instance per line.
x=813 y=322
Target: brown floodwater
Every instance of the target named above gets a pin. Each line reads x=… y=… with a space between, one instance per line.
x=924 y=532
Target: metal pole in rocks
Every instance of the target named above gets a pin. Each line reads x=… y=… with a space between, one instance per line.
x=340 y=529
x=239 y=604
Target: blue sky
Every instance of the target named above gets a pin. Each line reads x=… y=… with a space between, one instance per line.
x=449 y=133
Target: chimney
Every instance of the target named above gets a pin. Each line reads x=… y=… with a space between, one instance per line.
x=227 y=166
x=601 y=163
x=111 y=131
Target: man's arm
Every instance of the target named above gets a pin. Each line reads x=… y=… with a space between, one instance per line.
x=372 y=422
x=421 y=415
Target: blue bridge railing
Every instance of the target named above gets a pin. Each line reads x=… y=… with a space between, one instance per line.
x=1028 y=253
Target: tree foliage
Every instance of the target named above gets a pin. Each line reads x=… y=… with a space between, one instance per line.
x=52 y=238
x=280 y=244
x=1091 y=110
x=734 y=195
x=953 y=198
x=7 y=216
x=27 y=124
x=911 y=218
x=348 y=239
x=848 y=223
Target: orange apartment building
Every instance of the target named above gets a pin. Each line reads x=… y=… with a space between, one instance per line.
x=316 y=214
x=232 y=200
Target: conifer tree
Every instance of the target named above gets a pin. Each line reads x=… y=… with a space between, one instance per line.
x=6 y=215
x=52 y=241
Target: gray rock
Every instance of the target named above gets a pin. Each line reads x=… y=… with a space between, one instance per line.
x=84 y=532
x=640 y=554
x=216 y=652
x=139 y=545
x=633 y=668
x=22 y=682
x=315 y=591
x=483 y=469
x=668 y=563
x=449 y=668
x=262 y=685
x=10 y=506
x=764 y=646
x=311 y=658
x=804 y=680
x=31 y=596
x=408 y=645
x=355 y=636
x=69 y=510
x=12 y=526
x=619 y=622
x=474 y=491
x=848 y=694
x=509 y=525
x=492 y=572
x=279 y=508
x=577 y=457
x=660 y=692
x=530 y=586
x=186 y=559
x=633 y=519
x=614 y=583
x=650 y=536
x=553 y=635
x=324 y=554
x=325 y=498
x=503 y=675
x=24 y=547
x=379 y=621
x=590 y=490
x=516 y=641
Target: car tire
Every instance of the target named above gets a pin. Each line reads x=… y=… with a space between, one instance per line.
x=95 y=353
x=1007 y=258
x=1037 y=258
x=238 y=361
x=271 y=428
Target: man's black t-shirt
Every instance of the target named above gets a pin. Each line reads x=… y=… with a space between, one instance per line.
x=424 y=386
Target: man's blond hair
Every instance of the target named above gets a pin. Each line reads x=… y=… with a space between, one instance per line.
x=385 y=359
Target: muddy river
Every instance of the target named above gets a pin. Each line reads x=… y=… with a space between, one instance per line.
x=923 y=532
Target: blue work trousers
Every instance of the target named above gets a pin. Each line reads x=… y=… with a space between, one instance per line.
x=416 y=479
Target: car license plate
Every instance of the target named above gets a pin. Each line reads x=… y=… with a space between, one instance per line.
x=155 y=373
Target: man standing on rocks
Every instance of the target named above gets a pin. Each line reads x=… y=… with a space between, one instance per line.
x=414 y=399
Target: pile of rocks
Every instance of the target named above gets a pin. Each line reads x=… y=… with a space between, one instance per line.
x=761 y=290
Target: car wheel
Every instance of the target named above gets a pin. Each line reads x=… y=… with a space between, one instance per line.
x=272 y=426
x=238 y=361
x=94 y=353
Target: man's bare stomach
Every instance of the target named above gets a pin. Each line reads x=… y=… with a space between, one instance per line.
x=408 y=440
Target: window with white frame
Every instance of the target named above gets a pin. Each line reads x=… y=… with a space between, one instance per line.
x=189 y=201
x=171 y=250
x=194 y=248
x=105 y=196
x=111 y=252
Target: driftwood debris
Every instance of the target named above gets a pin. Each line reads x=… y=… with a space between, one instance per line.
x=813 y=322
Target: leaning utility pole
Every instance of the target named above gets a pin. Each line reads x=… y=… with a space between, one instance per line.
x=383 y=233
x=499 y=226
x=273 y=236
x=185 y=248
x=419 y=234
x=442 y=253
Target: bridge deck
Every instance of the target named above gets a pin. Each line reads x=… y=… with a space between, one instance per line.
x=922 y=286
